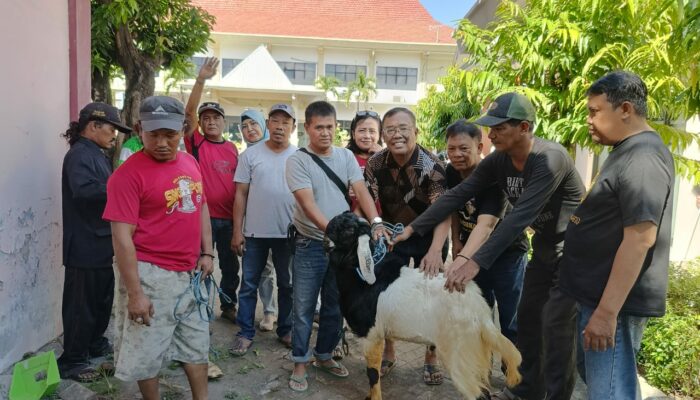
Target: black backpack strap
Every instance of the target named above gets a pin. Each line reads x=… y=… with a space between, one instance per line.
x=329 y=172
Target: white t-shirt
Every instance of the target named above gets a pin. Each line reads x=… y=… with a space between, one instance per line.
x=270 y=203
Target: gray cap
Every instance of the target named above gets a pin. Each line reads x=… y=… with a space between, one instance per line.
x=161 y=112
x=286 y=108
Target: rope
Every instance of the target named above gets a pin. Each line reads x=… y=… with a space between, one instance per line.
x=202 y=291
x=380 y=248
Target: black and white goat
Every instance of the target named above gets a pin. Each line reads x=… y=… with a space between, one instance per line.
x=397 y=302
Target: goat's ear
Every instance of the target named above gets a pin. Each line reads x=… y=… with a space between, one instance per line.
x=364 y=256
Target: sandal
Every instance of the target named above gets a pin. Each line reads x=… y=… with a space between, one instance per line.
x=505 y=394
x=338 y=353
x=286 y=340
x=240 y=346
x=85 y=375
x=387 y=366
x=432 y=375
x=299 y=383
x=335 y=368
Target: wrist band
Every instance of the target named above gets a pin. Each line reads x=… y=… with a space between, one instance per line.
x=464 y=257
x=207 y=254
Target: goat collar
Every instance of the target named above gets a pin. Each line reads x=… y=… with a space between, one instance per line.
x=364 y=256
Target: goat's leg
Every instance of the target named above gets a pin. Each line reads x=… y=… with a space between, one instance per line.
x=373 y=355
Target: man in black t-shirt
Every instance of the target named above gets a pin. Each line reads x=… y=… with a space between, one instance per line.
x=474 y=222
x=540 y=181
x=617 y=248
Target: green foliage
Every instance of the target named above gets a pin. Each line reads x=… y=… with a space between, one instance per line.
x=362 y=88
x=328 y=84
x=552 y=50
x=341 y=137
x=670 y=354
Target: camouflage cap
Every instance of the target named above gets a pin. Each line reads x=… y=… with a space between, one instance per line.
x=506 y=107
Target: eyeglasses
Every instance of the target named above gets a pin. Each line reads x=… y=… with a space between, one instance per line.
x=404 y=130
x=366 y=113
x=249 y=125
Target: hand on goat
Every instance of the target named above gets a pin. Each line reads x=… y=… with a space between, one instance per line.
x=379 y=231
x=459 y=273
x=599 y=333
x=407 y=232
x=431 y=263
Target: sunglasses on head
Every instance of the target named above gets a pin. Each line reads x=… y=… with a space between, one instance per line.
x=367 y=113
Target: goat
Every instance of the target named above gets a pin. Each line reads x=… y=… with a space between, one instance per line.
x=393 y=301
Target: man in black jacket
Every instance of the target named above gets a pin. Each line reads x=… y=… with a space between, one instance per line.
x=88 y=289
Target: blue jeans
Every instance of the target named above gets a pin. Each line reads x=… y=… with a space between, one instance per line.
x=310 y=274
x=267 y=287
x=503 y=283
x=254 y=260
x=222 y=233
x=612 y=374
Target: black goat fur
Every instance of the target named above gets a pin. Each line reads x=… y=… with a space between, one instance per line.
x=358 y=299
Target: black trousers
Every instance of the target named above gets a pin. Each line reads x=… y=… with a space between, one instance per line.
x=87 y=306
x=546 y=336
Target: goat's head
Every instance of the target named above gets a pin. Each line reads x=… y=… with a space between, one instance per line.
x=349 y=245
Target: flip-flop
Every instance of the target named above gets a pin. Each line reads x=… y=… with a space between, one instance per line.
x=301 y=381
x=85 y=375
x=387 y=366
x=336 y=369
x=432 y=375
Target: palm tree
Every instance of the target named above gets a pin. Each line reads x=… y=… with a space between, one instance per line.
x=362 y=88
x=328 y=84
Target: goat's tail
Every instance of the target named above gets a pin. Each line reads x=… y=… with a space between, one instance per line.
x=510 y=356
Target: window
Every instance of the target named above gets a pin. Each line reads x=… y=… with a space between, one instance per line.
x=397 y=78
x=198 y=62
x=299 y=73
x=228 y=64
x=345 y=73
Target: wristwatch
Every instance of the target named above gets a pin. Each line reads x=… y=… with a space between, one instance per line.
x=376 y=220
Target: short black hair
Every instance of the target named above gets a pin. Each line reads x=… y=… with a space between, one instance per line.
x=622 y=86
x=462 y=127
x=397 y=110
x=516 y=122
x=319 y=108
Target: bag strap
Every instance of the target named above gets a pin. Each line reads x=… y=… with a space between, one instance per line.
x=195 y=148
x=329 y=172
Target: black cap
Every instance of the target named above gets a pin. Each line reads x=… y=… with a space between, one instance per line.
x=210 y=105
x=506 y=107
x=161 y=112
x=101 y=112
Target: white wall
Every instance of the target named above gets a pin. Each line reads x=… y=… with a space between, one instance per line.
x=34 y=112
x=685 y=245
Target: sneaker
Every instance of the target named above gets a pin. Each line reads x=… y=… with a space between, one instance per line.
x=268 y=322
x=229 y=314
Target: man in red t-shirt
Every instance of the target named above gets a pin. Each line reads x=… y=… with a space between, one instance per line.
x=161 y=235
x=218 y=159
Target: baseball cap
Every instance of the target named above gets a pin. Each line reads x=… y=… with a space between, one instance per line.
x=210 y=105
x=161 y=112
x=101 y=112
x=286 y=108
x=506 y=107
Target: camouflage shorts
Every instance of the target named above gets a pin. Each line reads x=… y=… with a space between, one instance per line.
x=140 y=350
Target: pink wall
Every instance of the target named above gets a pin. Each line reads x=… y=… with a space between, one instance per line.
x=46 y=81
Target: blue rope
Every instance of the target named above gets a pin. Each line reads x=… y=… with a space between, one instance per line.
x=380 y=248
x=202 y=296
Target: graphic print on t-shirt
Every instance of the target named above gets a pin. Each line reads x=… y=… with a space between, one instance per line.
x=514 y=186
x=180 y=197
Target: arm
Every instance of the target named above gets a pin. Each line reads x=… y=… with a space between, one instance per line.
x=548 y=173
x=206 y=263
x=432 y=261
x=369 y=209
x=239 y=207
x=455 y=228
x=599 y=333
x=139 y=305
x=305 y=200
x=462 y=270
x=83 y=180
x=207 y=71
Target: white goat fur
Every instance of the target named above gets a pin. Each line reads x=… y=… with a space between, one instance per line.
x=419 y=310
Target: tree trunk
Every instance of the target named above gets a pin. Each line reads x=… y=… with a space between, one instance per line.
x=101 y=87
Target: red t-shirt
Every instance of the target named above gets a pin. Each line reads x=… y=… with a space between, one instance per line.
x=218 y=162
x=164 y=200
x=363 y=163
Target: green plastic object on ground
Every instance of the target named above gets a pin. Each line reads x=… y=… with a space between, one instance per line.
x=35 y=377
